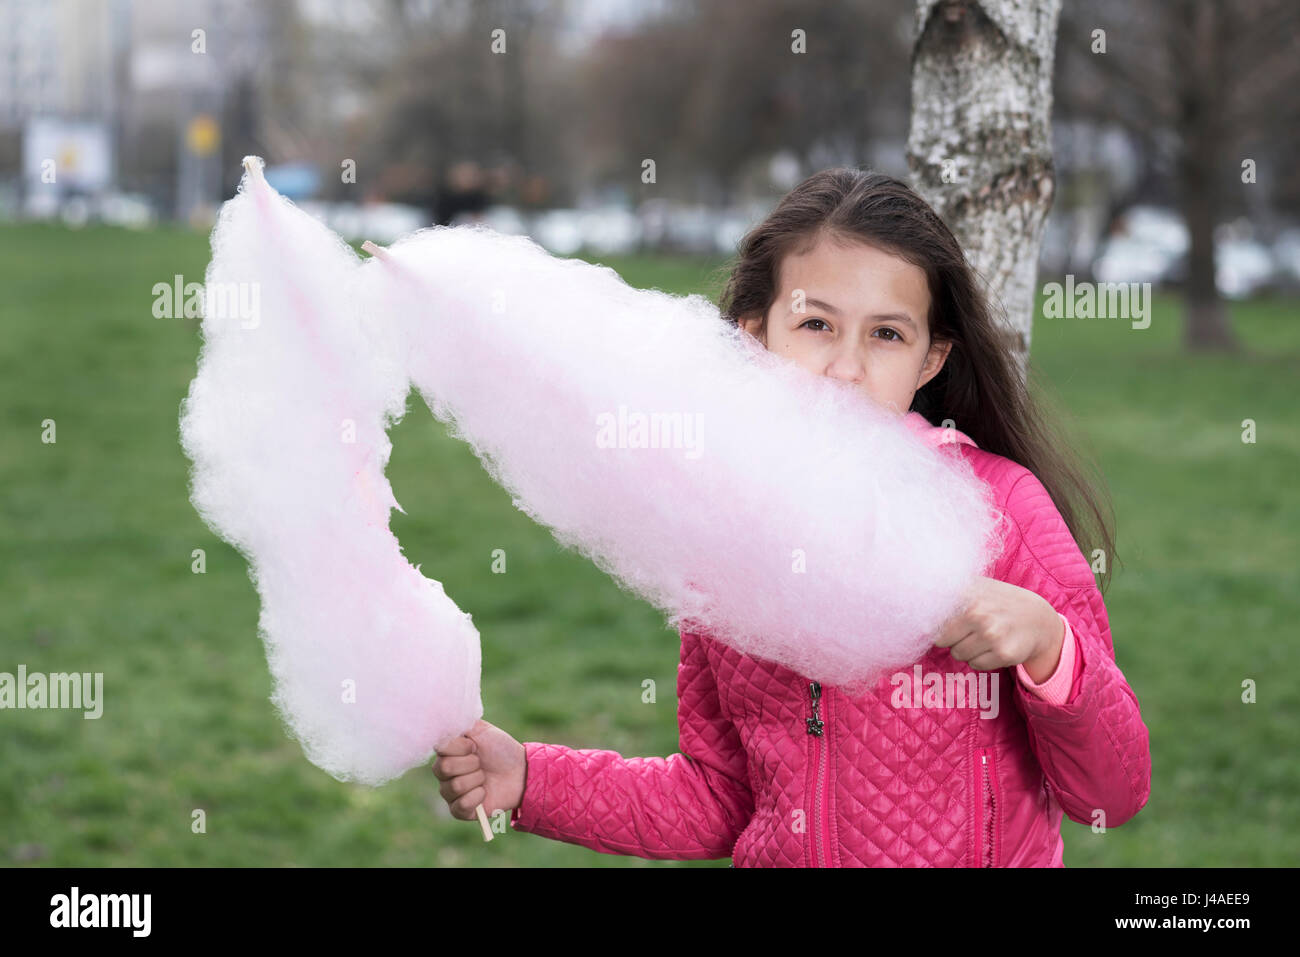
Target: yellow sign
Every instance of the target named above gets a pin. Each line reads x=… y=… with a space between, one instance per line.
x=203 y=135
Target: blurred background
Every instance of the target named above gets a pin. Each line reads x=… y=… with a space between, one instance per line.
x=381 y=116
x=122 y=127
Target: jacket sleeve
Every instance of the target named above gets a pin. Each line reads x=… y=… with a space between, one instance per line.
x=1093 y=746
x=689 y=806
x=1059 y=687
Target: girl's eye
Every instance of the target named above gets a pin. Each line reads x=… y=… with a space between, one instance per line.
x=822 y=321
x=894 y=333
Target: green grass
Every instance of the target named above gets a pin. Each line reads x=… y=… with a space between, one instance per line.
x=96 y=553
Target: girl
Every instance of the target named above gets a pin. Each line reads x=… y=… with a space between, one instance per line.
x=854 y=276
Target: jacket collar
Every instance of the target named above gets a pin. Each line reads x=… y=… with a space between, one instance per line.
x=933 y=435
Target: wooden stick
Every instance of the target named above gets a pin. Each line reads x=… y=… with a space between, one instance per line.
x=483 y=822
x=379 y=252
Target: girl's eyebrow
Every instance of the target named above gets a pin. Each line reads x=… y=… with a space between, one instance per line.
x=895 y=316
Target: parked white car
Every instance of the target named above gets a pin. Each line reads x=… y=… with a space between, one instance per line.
x=504 y=219
x=1128 y=259
x=1241 y=268
x=559 y=231
x=380 y=222
x=1158 y=226
x=1286 y=257
x=1152 y=245
x=611 y=230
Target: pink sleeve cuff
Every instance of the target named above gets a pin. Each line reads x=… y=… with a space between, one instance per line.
x=1056 y=689
x=527 y=815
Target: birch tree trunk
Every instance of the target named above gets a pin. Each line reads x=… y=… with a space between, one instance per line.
x=980 y=147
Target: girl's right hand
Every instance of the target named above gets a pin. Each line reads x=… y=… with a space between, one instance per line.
x=483 y=766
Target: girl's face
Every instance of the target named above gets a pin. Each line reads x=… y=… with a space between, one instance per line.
x=857 y=314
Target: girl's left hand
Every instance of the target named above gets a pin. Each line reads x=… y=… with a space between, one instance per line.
x=1004 y=625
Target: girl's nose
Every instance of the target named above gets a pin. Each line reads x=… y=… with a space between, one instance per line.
x=847 y=366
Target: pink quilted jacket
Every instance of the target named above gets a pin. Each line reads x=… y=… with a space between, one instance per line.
x=775 y=770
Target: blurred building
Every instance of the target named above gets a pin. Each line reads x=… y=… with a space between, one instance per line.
x=59 y=57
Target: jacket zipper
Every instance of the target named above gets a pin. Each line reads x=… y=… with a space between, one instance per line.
x=820 y=812
x=991 y=801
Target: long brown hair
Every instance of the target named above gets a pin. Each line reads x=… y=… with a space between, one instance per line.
x=979 y=386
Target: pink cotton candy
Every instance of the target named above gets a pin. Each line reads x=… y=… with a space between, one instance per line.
x=778 y=511
x=285 y=424
x=786 y=514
